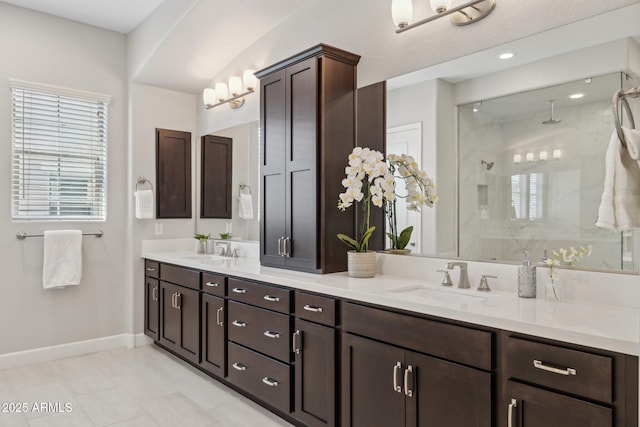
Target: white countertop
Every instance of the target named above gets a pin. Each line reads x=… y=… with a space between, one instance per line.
x=609 y=327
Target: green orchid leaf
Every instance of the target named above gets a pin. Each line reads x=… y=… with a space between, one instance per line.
x=404 y=237
x=364 y=241
x=349 y=241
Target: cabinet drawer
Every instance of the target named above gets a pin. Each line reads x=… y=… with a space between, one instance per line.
x=180 y=276
x=264 y=378
x=456 y=343
x=316 y=308
x=261 y=330
x=151 y=269
x=577 y=372
x=271 y=297
x=214 y=284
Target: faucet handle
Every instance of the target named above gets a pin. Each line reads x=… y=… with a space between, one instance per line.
x=484 y=283
x=446 y=279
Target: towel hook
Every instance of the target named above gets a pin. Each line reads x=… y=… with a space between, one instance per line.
x=245 y=186
x=143 y=181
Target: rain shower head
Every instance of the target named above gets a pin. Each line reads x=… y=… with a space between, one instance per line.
x=551 y=120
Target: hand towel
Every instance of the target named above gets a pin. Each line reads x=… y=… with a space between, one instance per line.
x=246 y=206
x=620 y=203
x=62 y=258
x=144 y=204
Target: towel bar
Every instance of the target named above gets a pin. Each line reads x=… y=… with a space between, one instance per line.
x=21 y=235
x=142 y=181
x=243 y=186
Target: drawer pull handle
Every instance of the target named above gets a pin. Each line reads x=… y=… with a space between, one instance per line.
x=239 y=290
x=396 y=373
x=179 y=301
x=409 y=371
x=271 y=298
x=151 y=269
x=154 y=294
x=271 y=383
x=296 y=346
x=513 y=405
x=219 y=316
x=239 y=324
x=312 y=308
x=239 y=367
x=212 y=284
x=540 y=365
x=270 y=334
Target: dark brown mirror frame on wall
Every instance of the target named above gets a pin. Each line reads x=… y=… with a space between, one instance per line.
x=216 y=176
x=173 y=174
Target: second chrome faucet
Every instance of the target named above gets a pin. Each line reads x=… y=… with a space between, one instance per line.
x=463 y=281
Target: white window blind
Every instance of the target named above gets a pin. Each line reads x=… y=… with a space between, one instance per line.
x=59 y=138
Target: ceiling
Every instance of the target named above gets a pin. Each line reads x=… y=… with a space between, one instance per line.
x=116 y=15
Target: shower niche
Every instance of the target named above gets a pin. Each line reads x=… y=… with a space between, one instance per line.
x=531 y=174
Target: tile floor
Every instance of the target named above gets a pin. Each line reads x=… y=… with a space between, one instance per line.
x=137 y=387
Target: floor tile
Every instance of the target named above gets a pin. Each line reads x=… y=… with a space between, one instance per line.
x=75 y=418
x=176 y=410
x=141 y=421
x=109 y=406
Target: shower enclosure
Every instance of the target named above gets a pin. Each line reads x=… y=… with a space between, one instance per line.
x=547 y=150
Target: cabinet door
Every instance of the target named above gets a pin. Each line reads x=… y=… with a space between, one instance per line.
x=169 y=316
x=151 y=307
x=535 y=407
x=173 y=174
x=301 y=169
x=441 y=393
x=315 y=374
x=216 y=153
x=188 y=307
x=213 y=335
x=371 y=371
x=272 y=169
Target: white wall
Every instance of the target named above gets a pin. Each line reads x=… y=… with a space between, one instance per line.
x=45 y=49
x=151 y=108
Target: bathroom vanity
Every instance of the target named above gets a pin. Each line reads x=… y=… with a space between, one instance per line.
x=331 y=350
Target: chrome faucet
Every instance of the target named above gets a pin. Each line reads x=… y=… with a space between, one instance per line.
x=463 y=282
x=225 y=248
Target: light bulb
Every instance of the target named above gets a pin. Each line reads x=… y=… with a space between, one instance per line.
x=222 y=91
x=557 y=153
x=401 y=12
x=440 y=6
x=209 y=96
x=542 y=155
x=517 y=158
x=250 y=80
x=235 y=85
x=529 y=157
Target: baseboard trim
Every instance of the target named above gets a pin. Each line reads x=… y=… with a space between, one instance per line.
x=78 y=348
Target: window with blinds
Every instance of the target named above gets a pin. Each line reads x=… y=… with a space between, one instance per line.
x=59 y=153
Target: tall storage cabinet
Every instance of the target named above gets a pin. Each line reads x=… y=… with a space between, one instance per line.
x=307 y=116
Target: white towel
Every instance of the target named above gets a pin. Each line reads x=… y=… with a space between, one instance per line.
x=62 y=258
x=246 y=206
x=144 y=204
x=620 y=203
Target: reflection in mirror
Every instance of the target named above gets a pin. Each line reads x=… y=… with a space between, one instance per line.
x=532 y=169
x=245 y=163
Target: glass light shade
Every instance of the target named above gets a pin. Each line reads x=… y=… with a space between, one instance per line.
x=517 y=158
x=557 y=154
x=250 y=80
x=529 y=157
x=440 y=6
x=209 y=96
x=401 y=12
x=543 y=155
x=235 y=85
x=221 y=91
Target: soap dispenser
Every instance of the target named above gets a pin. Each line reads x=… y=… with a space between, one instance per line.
x=526 y=278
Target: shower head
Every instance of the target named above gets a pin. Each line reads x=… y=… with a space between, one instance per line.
x=488 y=165
x=551 y=120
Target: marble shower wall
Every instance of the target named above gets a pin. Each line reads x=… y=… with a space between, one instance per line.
x=491 y=227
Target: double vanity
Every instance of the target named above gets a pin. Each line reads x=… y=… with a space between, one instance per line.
x=327 y=350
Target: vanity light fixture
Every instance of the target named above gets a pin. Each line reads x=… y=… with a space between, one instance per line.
x=232 y=94
x=464 y=14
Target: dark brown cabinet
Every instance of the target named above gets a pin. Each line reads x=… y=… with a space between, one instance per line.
x=307 y=117
x=385 y=385
x=213 y=357
x=180 y=320
x=173 y=174
x=216 y=172
x=152 y=307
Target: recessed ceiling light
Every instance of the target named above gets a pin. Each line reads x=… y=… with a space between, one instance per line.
x=576 y=95
x=506 y=55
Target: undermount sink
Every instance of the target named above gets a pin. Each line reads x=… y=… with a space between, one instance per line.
x=207 y=259
x=452 y=296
